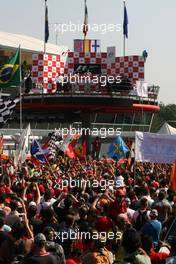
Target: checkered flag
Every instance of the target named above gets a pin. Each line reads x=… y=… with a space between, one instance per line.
x=6 y=109
x=52 y=144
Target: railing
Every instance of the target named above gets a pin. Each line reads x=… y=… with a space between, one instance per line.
x=104 y=92
x=125 y=129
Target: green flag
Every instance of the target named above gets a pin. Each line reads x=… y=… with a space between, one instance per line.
x=10 y=72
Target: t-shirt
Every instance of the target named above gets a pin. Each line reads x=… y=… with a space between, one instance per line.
x=164 y=209
x=153 y=229
x=156 y=257
x=45 y=259
x=115 y=209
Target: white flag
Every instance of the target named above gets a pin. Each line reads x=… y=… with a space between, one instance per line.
x=63 y=145
x=23 y=147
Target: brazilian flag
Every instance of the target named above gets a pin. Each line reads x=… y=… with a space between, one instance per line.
x=10 y=72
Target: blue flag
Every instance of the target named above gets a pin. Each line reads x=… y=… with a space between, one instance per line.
x=37 y=152
x=118 y=149
x=125 y=23
x=46 y=25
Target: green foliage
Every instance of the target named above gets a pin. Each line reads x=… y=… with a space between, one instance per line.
x=167 y=114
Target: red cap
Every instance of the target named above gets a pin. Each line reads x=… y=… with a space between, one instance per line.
x=65 y=190
x=8 y=200
x=29 y=196
x=156 y=184
x=103 y=224
x=41 y=188
x=2 y=190
x=58 y=191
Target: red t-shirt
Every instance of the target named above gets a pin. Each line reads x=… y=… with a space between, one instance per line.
x=115 y=209
x=156 y=257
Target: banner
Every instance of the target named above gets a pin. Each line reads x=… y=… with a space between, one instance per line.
x=156 y=148
x=111 y=54
x=141 y=89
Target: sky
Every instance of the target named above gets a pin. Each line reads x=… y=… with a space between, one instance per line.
x=151 y=28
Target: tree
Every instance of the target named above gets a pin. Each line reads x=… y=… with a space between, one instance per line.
x=167 y=114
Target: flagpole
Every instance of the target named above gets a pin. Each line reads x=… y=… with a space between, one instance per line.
x=84 y=17
x=45 y=28
x=21 y=120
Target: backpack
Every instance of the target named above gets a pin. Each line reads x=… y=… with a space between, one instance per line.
x=101 y=257
x=141 y=219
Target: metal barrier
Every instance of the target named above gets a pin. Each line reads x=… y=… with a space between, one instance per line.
x=153 y=92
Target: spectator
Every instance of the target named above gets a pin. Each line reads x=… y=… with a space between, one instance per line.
x=39 y=253
x=162 y=206
x=152 y=227
x=132 y=246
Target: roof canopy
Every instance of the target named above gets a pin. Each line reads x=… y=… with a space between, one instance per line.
x=30 y=44
x=167 y=129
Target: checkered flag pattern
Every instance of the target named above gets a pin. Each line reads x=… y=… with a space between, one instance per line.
x=45 y=68
x=129 y=66
x=6 y=110
x=52 y=145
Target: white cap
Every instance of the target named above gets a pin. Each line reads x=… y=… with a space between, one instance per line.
x=32 y=203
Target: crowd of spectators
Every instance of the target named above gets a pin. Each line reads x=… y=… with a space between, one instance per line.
x=86 y=212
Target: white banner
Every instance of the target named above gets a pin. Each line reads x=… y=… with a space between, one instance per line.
x=141 y=89
x=156 y=148
x=111 y=53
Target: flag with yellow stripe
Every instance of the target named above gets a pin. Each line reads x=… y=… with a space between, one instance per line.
x=87 y=45
x=10 y=72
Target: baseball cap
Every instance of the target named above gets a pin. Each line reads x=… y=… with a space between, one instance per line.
x=103 y=224
x=39 y=238
x=6 y=228
x=32 y=203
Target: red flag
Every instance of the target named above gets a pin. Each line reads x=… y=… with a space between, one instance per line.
x=70 y=152
x=80 y=150
x=68 y=145
x=173 y=178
